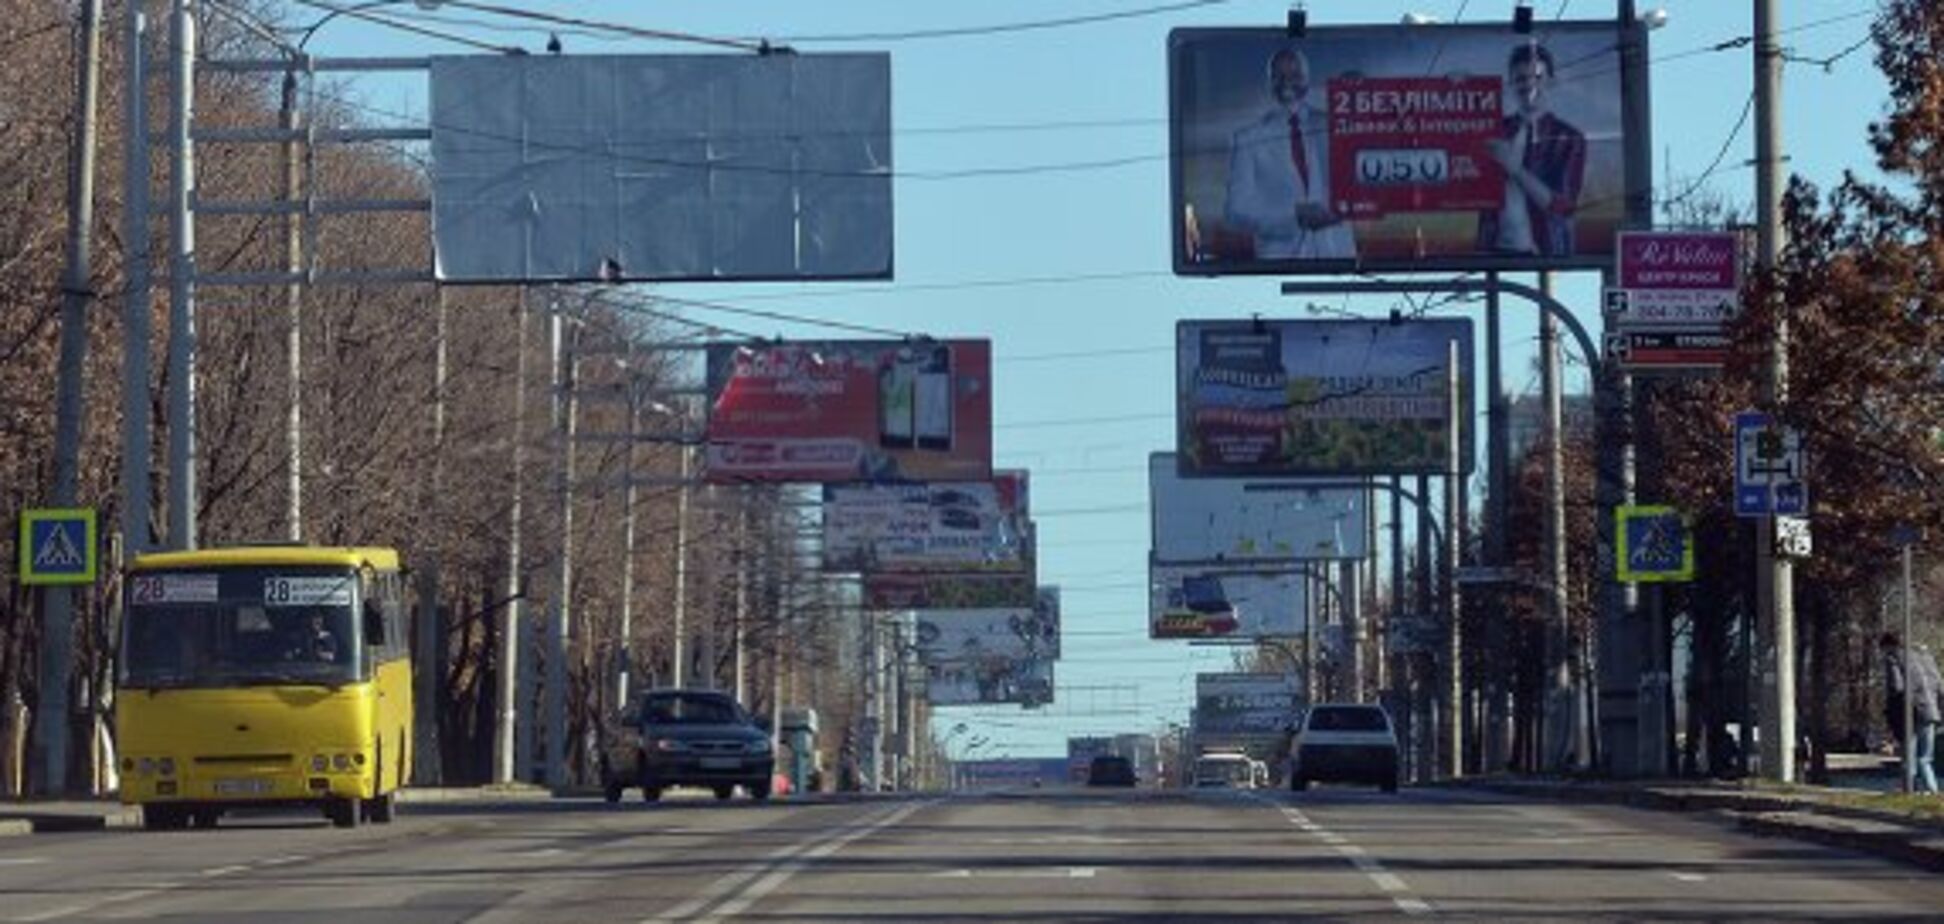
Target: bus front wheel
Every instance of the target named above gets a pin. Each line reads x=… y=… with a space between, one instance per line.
x=163 y=818
x=383 y=809
x=343 y=813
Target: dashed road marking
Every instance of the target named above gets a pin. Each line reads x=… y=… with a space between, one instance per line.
x=1385 y=880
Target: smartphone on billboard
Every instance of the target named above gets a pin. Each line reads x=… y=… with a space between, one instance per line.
x=933 y=399
x=896 y=398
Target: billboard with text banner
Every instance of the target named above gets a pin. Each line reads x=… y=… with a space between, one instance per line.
x=1395 y=148
x=1319 y=397
x=1249 y=711
x=847 y=411
x=942 y=527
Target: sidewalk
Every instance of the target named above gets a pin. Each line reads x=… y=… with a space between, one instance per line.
x=1905 y=828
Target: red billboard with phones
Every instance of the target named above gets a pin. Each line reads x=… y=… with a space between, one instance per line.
x=843 y=411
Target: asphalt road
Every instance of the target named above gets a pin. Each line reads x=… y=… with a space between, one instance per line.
x=1036 y=855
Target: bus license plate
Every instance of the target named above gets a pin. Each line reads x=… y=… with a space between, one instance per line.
x=721 y=763
x=243 y=787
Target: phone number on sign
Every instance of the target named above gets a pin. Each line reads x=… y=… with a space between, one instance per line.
x=1420 y=167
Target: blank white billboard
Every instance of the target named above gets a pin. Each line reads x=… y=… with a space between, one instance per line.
x=1230 y=520
x=661 y=167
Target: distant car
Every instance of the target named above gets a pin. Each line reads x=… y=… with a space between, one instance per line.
x=1344 y=743
x=673 y=738
x=1108 y=770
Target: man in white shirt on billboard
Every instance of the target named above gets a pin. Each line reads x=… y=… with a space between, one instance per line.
x=1279 y=173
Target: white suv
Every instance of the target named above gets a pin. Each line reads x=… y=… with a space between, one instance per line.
x=1344 y=743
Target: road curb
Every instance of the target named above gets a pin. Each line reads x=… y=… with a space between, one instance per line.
x=1873 y=837
x=1764 y=814
x=17 y=823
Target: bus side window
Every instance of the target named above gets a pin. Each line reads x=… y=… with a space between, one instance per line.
x=397 y=644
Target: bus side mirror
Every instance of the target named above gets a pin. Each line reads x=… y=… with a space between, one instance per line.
x=374 y=624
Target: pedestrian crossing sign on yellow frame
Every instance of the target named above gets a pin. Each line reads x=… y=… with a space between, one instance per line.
x=1654 y=544
x=58 y=546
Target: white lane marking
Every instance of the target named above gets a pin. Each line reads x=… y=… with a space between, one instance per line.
x=755 y=891
x=539 y=854
x=727 y=883
x=1054 y=840
x=1057 y=872
x=224 y=870
x=1387 y=881
x=1689 y=877
x=85 y=907
x=21 y=861
x=284 y=861
x=1361 y=859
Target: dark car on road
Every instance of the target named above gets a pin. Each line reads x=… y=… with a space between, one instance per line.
x=1344 y=743
x=673 y=738
x=1108 y=770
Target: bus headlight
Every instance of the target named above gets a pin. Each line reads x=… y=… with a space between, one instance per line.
x=146 y=765
x=320 y=763
x=341 y=762
x=166 y=765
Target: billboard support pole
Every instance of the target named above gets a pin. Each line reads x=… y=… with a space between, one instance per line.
x=1398 y=590
x=1421 y=705
x=506 y=736
x=1309 y=638
x=678 y=659
x=1557 y=725
x=1454 y=608
x=182 y=275
x=1497 y=743
x=1353 y=624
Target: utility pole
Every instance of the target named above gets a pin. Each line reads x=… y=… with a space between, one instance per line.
x=1313 y=605
x=1353 y=622
x=1774 y=588
x=506 y=739
x=137 y=320
x=1495 y=744
x=77 y=293
x=294 y=319
x=182 y=279
x=624 y=647
x=1559 y=724
x=430 y=643
x=565 y=409
x=1454 y=608
x=680 y=661
x=1421 y=707
x=738 y=663
x=1399 y=592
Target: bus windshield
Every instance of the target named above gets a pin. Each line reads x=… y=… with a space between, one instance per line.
x=1224 y=770
x=232 y=627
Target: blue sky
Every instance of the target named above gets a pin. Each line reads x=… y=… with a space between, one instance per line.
x=1064 y=264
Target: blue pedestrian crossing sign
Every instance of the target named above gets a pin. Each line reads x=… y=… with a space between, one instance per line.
x=57 y=546
x=1655 y=544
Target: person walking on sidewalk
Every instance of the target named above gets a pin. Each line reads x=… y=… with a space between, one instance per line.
x=1914 y=674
